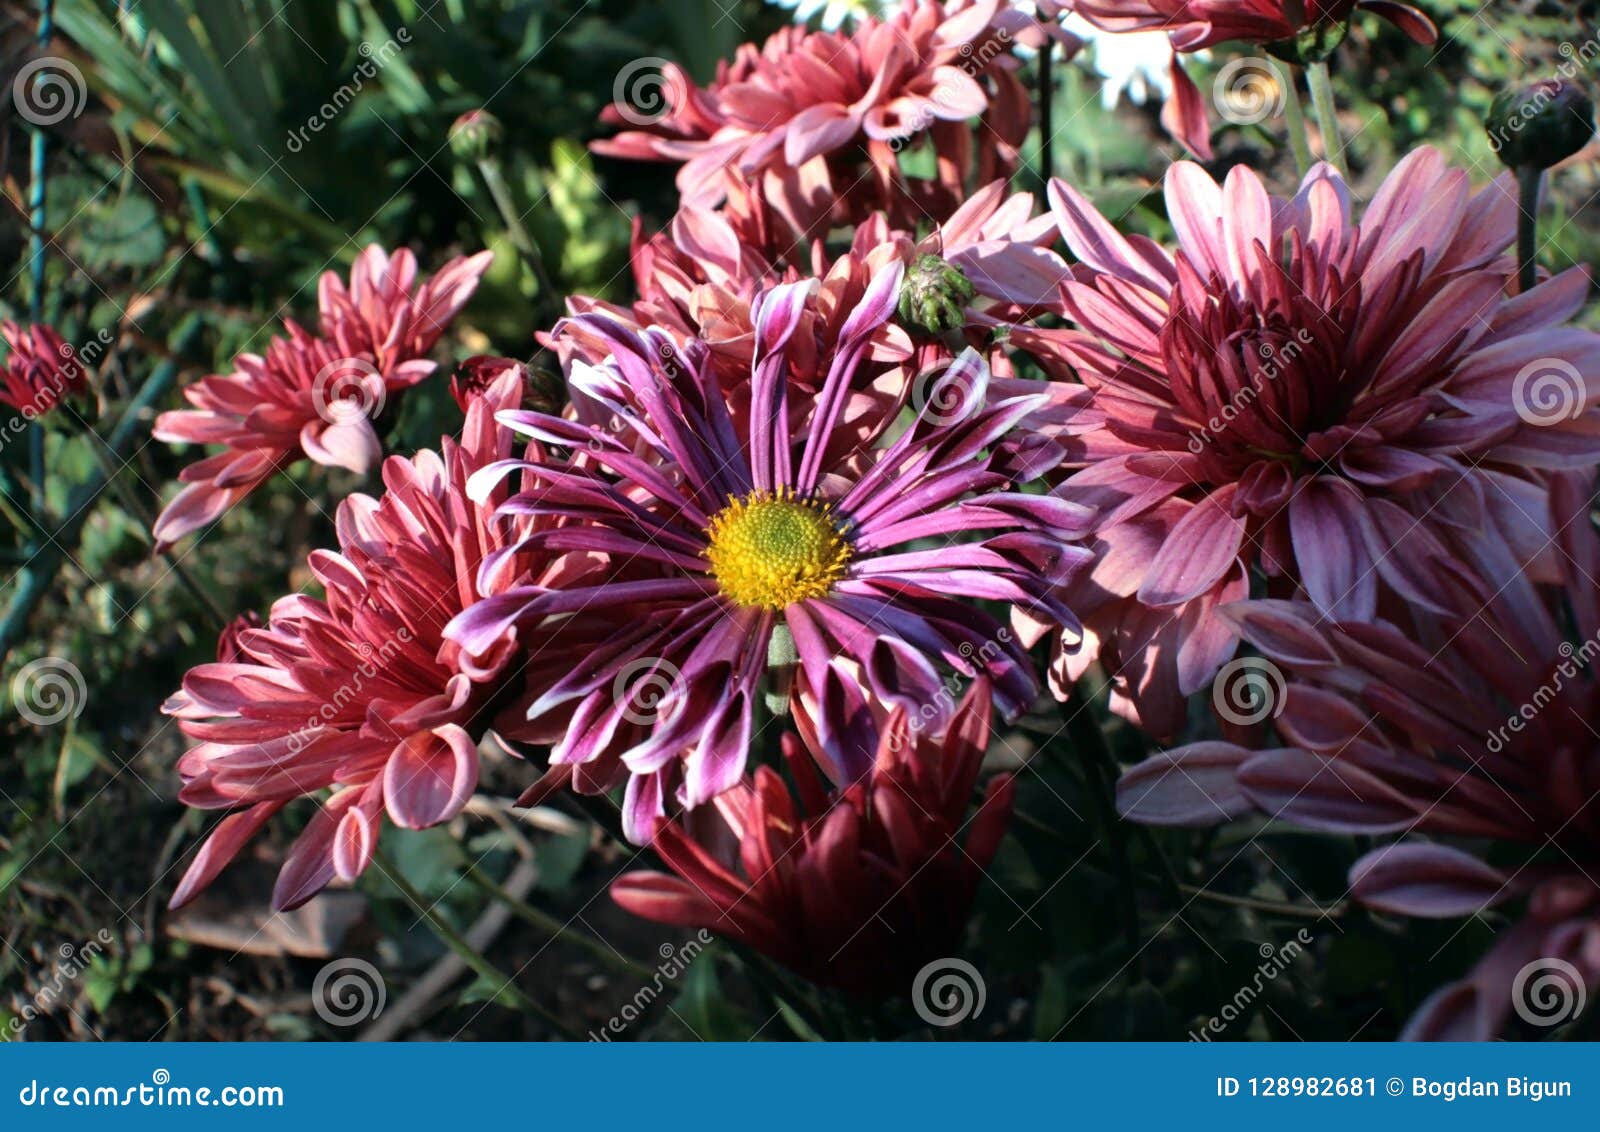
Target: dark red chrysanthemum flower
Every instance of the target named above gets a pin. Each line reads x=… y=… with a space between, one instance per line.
x=40 y=370
x=855 y=886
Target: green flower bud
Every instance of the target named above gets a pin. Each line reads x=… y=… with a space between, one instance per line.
x=1315 y=43
x=475 y=136
x=1540 y=125
x=934 y=297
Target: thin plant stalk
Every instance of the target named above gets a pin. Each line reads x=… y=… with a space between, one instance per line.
x=1299 y=140
x=1529 y=180
x=504 y=202
x=548 y=923
x=137 y=509
x=1320 y=80
x=507 y=990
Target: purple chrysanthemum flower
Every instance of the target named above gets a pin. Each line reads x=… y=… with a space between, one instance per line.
x=722 y=524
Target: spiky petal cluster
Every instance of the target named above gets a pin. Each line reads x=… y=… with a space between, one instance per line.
x=815 y=121
x=314 y=395
x=40 y=369
x=818 y=497
x=855 y=886
x=1333 y=406
x=358 y=692
x=1485 y=728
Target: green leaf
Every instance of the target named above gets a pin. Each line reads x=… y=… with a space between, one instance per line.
x=705 y=1009
x=79 y=754
x=128 y=233
x=560 y=858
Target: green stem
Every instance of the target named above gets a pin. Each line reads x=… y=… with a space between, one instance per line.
x=1268 y=907
x=503 y=201
x=137 y=509
x=1320 y=80
x=1046 y=113
x=453 y=939
x=1528 y=180
x=1090 y=743
x=548 y=923
x=1299 y=140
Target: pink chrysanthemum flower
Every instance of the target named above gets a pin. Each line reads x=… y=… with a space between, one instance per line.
x=1485 y=724
x=1322 y=402
x=857 y=886
x=821 y=116
x=782 y=518
x=40 y=370
x=314 y=396
x=1195 y=25
x=358 y=692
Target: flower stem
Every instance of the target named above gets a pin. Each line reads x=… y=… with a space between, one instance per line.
x=501 y=192
x=507 y=990
x=137 y=509
x=1528 y=181
x=1321 y=83
x=1295 y=113
x=1090 y=743
x=548 y=923
x=1046 y=112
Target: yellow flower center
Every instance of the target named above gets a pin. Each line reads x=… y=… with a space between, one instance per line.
x=772 y=549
